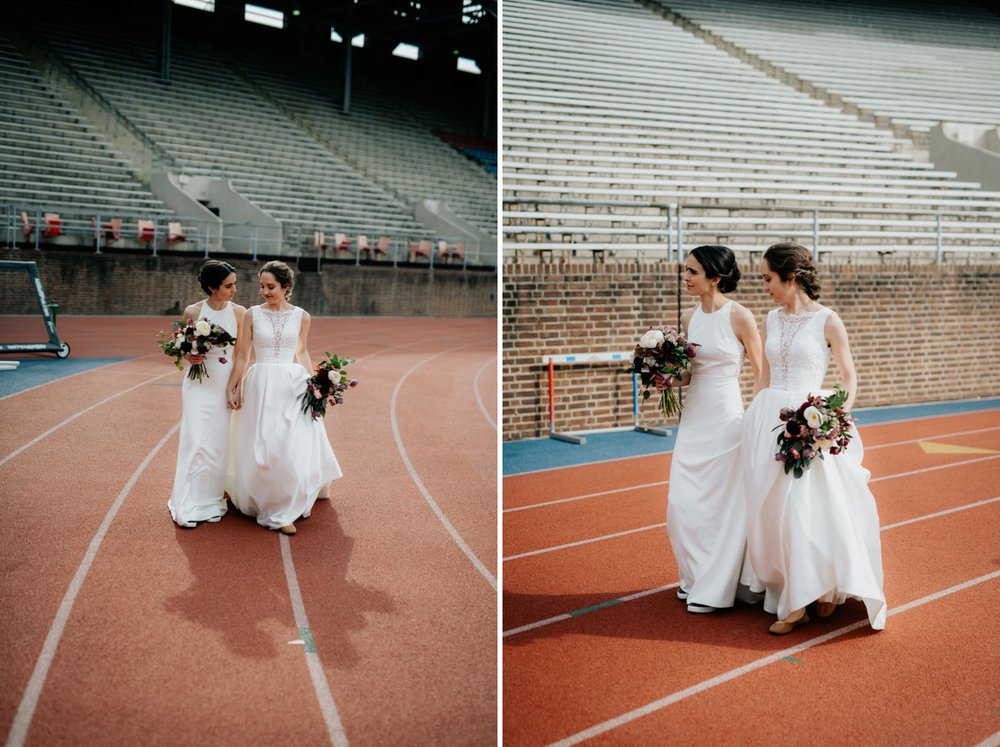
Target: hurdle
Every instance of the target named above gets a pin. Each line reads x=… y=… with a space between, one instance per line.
x=54 y=345
x=584 y=358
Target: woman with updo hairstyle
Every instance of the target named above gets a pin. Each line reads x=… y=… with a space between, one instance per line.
x=283 y=458
x=813 y=541
x=202 y=453
x=706 y=508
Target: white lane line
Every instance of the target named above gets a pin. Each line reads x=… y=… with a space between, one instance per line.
x=334 y=726
x=653 y=526
x=933 y=437
x=862 y=426
x=65 y=378
x=479 y=397
x=71 y=418
x=966 y=507
x=611 y=602
x=568 y=615
x=463 y=545
x=937 y=467
x=29 y=701
x=584 y=542
x=753 y=666
x=993 y=741
x=588 y=495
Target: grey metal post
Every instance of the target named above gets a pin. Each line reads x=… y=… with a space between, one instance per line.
x=166 y=41
x=680 y=233
x=939 y=257
x=816 y=235
x=98 y=232
x=348 y=59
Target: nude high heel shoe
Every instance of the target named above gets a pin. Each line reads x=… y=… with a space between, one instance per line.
x=786 y=626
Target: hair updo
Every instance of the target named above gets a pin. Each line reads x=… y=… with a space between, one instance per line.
x=719 y=262
x=282 y=273
x=794 y=262
x=213 y=274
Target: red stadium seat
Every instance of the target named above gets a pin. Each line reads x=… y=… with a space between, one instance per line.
x=53 y=225
x=414 y=250
x=175 y=234
x=340 y=244
x=383 y=247
x=363 y=246
x=146 y=231
x=27 y=227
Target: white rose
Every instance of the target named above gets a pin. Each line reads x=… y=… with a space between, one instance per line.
x=813 y=417
x=651 y=339
x=202 y=328
x=179 y=339
x=823 y=443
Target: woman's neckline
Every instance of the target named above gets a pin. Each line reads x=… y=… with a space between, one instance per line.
x=269 y=310
x=223 y=308
x=782 y=311
x=716 y=311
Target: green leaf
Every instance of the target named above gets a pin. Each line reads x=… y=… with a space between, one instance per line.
x=798 y=471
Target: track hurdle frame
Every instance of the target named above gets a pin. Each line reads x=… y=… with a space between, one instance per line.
x=54 y=345
x=570 y=358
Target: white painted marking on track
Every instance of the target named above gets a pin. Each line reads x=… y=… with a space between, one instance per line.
x=993 y=741
x=753 y=666
x=867 y=448
x=588 y=495
x=29 y=701
x=419 y=483
x=584 y=542
x=935 y=468
x=479 y=398
x=559 y=618
x=334 y=726
x=71 y=418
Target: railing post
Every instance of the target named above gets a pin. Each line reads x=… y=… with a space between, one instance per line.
x=680 y=233
x=939 y=255
x=816 y=235
x=98 y=232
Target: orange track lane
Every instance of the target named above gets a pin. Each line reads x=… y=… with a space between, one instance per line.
x=182 y=636
x=573 y=674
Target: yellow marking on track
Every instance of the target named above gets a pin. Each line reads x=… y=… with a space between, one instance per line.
x=932 y=447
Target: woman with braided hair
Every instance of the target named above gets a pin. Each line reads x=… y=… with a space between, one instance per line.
x=812 y=539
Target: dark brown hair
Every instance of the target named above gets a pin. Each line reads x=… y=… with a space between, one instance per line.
x=282 y=273
x=794 y=262
x=718 y=262
x=213 y=274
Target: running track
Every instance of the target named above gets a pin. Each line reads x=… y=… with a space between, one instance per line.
x=597 y=649
x=374 y=625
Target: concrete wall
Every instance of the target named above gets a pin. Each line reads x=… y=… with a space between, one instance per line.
x=130 y=284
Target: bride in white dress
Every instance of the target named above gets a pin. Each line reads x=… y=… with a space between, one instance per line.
x=706 y=507
x=283 y=459
x=200 y=475
x=813 y=539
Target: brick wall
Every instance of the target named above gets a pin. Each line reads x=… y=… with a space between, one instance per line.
x=918 y=334
x=133 y=284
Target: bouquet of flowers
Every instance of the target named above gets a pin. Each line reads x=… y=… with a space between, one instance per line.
x=327 y=385
x=665 y=352
x=820 y=425
x=188 y=337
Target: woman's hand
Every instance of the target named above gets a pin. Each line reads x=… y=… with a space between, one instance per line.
x=235 y=397
x=664 y=382
x=194 y=359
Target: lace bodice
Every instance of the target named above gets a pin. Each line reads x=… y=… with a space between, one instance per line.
x=275 y=334
x=796 y=349
x=720 y=352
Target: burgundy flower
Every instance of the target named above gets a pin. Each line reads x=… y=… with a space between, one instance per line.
x=834 y=450
x=794 y=454
x=786 y=413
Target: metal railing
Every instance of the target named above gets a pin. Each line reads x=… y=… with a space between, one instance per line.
x=539 y=227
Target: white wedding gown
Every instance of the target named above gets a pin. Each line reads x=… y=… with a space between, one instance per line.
x=282 y=459
x=706 y=507
x=200 y=475
x=818 y=535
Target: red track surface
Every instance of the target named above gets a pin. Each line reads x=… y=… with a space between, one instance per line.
x=182 y=636
x=929 y=678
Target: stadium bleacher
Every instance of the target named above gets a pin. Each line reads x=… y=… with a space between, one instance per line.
x=614 y=117
x=272 y=132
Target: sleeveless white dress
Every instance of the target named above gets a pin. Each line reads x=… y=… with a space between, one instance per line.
x=282 y=458
x=706 y=507
x=200 y=475
x=818 y=535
